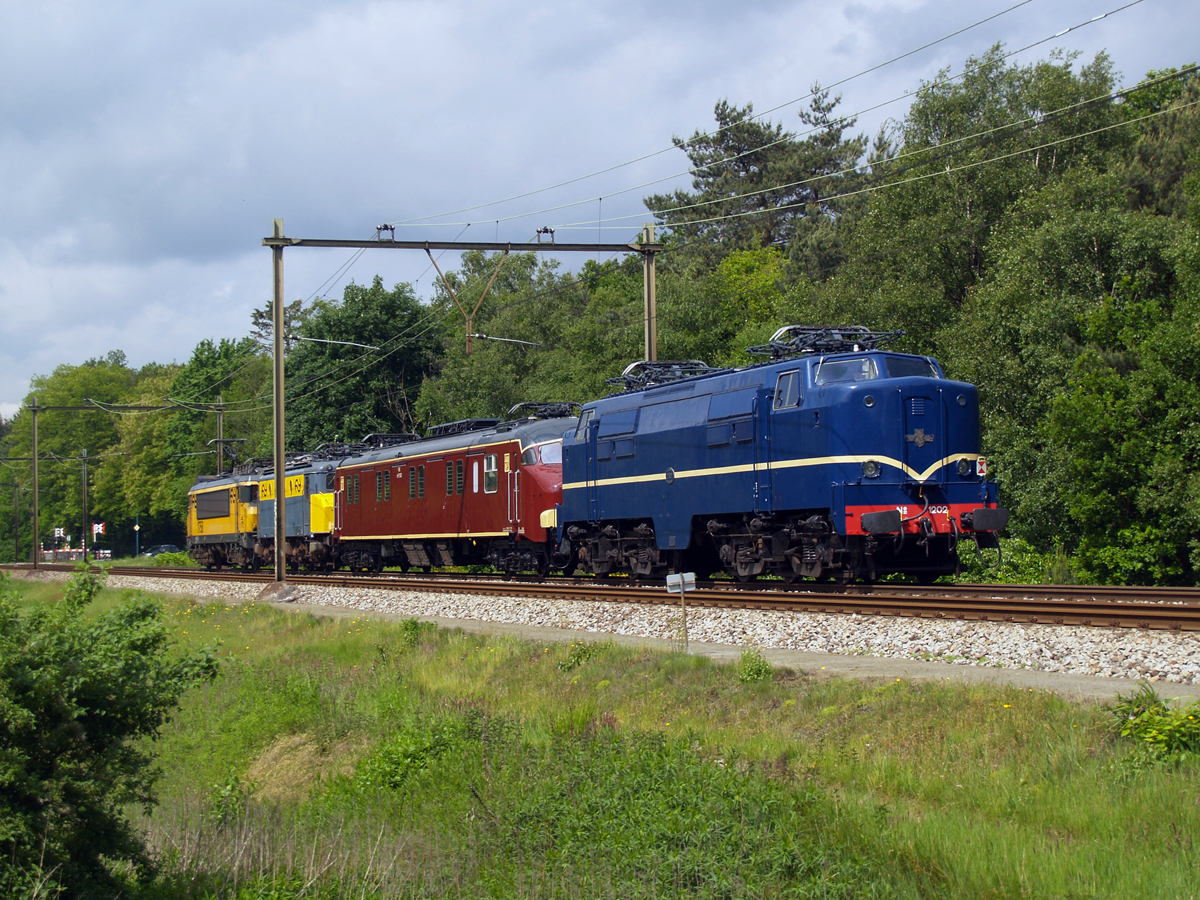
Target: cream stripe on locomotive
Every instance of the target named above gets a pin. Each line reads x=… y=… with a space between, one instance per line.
x=782 y=464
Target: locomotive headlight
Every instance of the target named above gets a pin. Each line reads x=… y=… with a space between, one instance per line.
x=871 y=469
x=964 y=467
x=869 y=401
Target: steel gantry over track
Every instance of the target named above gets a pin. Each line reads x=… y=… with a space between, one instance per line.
x=278 y=242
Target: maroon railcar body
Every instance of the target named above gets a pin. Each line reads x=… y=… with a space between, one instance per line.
x=484 y=496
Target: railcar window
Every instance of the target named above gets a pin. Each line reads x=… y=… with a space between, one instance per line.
x=830 y=372
x=787 y=390
x=909 y=367
x=551 y=453
x=458 y=476
x=491 y=474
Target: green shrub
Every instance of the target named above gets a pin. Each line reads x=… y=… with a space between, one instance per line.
x=414 y=749
x=412 y=630
x=580 y=652
x=174 y=560
x=1161 y=731
x=753 y=667
x=76 y=697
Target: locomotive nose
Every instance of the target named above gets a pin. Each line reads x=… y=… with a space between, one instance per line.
x=924 y=432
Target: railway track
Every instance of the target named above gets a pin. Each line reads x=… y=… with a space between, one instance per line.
x=1174 y=609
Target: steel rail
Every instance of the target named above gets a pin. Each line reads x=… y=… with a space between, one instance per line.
x=983 y=603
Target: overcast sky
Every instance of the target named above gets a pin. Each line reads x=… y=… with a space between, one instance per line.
x=146 y=147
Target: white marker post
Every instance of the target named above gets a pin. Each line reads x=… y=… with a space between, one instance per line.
x=680 y=584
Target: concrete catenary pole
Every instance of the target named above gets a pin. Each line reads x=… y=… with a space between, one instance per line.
x=220 y=434
x=280 y=461
x=83 y=533
x=649 y=295
x=37 y=547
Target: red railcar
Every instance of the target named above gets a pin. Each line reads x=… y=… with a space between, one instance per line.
x=475 y=492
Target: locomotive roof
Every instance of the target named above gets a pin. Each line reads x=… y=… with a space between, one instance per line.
x=527 y=431
x=719 y=380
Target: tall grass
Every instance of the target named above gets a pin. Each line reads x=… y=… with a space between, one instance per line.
x=341 y=757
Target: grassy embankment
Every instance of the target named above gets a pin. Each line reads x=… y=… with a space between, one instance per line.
x=352 y=757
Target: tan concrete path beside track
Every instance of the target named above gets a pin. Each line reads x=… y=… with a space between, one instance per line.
x=1069 y=687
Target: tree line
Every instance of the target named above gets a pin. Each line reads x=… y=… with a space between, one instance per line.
x=1031 y=226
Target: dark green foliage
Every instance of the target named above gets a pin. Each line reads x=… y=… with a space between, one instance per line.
x=759 y=186
x=336 y=391
x=76 y=695
x=1166 y=149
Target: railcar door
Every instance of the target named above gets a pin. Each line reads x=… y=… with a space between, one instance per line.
x=592 y=488
x=762 y=451
x=512 y=472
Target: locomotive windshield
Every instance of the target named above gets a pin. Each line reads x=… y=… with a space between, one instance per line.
x=548 y=454
x=910 y=367
x=845 y=370
x=865 y=369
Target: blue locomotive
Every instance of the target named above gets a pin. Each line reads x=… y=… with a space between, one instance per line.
x=836 y=458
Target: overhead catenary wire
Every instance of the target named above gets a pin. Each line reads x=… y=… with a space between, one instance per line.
x=886 y=184
x=875 y=187
x=1013 y=128
x=1060 y=33
x=694 y=170
x=766 y=112
x=883 y=184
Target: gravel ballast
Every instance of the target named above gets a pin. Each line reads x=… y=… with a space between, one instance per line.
x=1114 y=653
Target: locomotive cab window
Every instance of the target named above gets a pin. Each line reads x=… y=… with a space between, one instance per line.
x=529 y=457
x=908 y=367
x=491 y=474
x=787 y=390
x=840 y=370
x=551 y=453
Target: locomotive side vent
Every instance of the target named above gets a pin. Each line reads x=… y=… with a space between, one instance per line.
x=917 y=406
